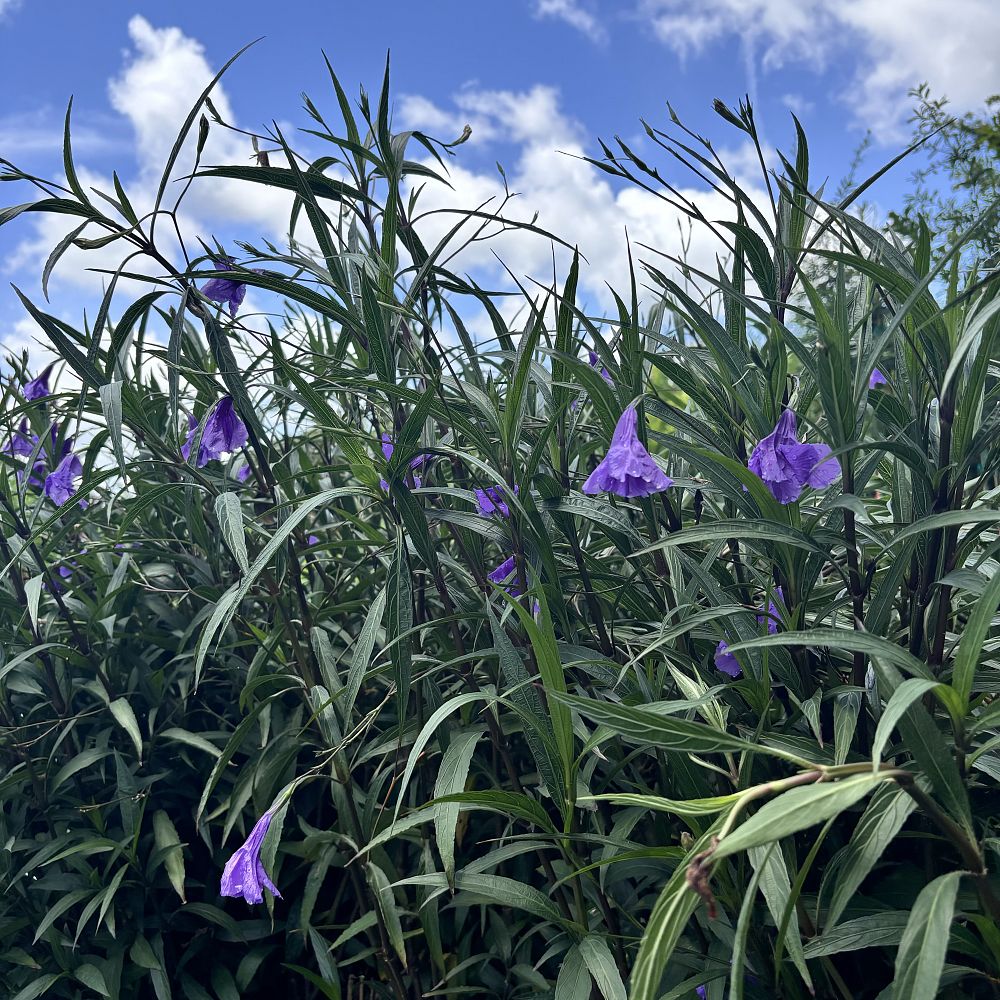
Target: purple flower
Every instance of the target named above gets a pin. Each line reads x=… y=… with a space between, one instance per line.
x=387 y=450
x=877 y=378
x=20 y=443
x=224 y=431
x=312 y=540
x=491 y=501
x=37 y=388
x=59 y=483
x=726 y=661
x=502 y=574
x=225 y=290
x=243 y=473
x=628 y=469
x=786 y=465
x=595 y=362
x=186 y=447
x=701 y=992
x=244 y=875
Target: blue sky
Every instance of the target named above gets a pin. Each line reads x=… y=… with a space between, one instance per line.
x=532 y=76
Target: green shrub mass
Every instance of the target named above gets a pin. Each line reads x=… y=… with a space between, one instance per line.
x=550 y=779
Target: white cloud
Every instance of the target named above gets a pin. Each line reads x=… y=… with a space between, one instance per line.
x=37 y=132
x=571 y=198
x=574 y=14
x=889 y=46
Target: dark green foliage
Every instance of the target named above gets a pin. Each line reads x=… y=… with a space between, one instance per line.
x=476 y=795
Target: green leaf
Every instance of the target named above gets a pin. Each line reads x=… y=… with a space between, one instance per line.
x=452 y=776
x=882 y=819
x=386 y=902
x=111 y=405
x=125 y=717
x=902 y=698
x=797 y=809
x=37 y=988
x=970 y=643
x=597 y=955
x=167 y=840
x=573 y=982
x=230 y=517
x=920 y=958
x=877 y=930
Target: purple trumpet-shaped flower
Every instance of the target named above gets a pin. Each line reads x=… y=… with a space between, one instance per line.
x=312 y=540
x=701 y=992
x=224 y=431
x=491 y=500
x=225 y=290
x=787 y=466
x=38 y=387
x=387 y=450
x=20 y=442
x=627 y=469
x=59 y=483
x=726 y=661
x=876 y=378
x=504 y=573
x=244 y=875
x=243 y=473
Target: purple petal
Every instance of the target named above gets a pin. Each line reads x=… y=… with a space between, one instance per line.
x=244 y=874
x=243 y=473
x=824 y=471
x=224 y=431
x=627 y=470
x=38 y=387
x=312 y=540
x=502 y=574
x=727 y=662
x=877 y=378
x=387 y=446
x=59 y=483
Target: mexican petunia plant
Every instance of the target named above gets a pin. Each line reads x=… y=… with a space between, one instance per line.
x=651 y=654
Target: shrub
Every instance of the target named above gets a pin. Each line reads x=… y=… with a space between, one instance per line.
x=350 y=586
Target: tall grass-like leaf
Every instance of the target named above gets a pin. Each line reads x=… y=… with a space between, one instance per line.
x=922 y=950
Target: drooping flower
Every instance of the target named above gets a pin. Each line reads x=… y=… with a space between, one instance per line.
x=59 y=483
x=225 y=290
x=491 y=500
x=388 y=447
x=627 y=469
x=787 y=466
x=244 y=874
x=701 y=992
x=876 y=378
x=726 y=661
x=38 y=387
x=503 y=576
x=224 y=431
